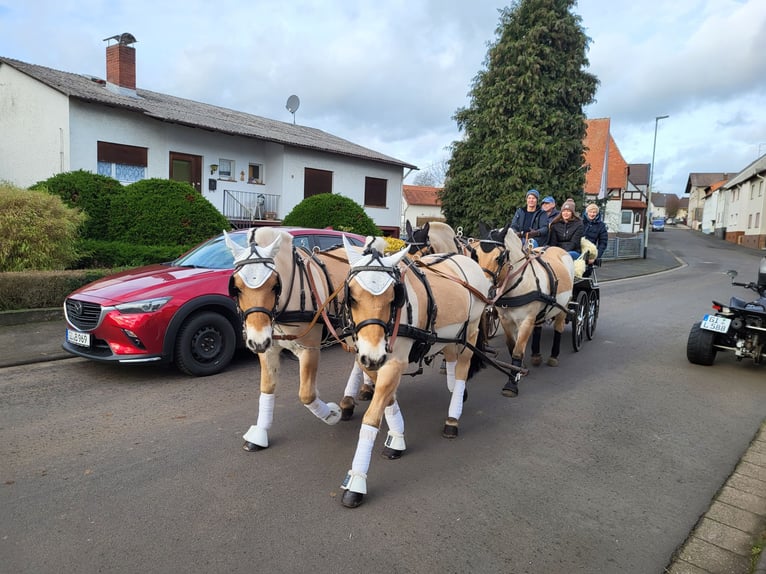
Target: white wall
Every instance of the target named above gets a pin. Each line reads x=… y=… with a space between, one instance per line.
x=34 y=129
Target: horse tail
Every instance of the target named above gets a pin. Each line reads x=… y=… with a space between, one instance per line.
x=477 y=359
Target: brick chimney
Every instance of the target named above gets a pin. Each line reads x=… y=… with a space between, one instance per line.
x=121 y=63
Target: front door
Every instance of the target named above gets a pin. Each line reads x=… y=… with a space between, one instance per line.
x=186 y=167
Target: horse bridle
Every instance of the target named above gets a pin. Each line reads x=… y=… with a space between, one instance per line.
x=234 y=292
x=389 y=327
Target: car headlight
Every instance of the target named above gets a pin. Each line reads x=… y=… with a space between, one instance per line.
x=145 y=306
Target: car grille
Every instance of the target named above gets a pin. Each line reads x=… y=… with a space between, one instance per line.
x=83 y=315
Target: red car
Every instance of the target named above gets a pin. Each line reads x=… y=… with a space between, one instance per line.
x=178 y=312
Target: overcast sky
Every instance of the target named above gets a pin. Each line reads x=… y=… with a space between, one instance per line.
x=390 y=75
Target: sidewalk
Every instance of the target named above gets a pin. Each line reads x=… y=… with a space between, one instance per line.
x=720 y=542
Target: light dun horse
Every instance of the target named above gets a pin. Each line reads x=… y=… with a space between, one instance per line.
x=280 y=290
x=433 y=237
x=393 y=320
x=532 y=287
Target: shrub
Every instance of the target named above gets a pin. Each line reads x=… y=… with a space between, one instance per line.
x=90 y=192
x=163 y=212
x=331 y=210
x=37 y=230
x=43 y=289
x=96 y=254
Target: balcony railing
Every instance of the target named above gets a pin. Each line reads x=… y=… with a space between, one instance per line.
x=247 y=207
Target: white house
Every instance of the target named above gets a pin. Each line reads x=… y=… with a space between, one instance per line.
x=421 y=204
x=253 y=169
x=742 y=205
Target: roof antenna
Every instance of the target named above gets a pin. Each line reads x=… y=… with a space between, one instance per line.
x=293 y=103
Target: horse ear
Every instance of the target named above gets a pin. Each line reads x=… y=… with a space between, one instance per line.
x=504 y=231
x=393 y=260
x=353 y=256
x=408 y=228
x=273 y=247
x=483 y=230
x=426 y=227
x=235 y=249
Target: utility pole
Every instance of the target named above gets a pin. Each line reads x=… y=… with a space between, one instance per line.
x=647 y=222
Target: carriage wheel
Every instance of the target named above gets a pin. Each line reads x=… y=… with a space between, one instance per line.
x=579 y=320
x=594 y=301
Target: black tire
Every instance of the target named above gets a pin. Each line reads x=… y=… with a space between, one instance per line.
x=594 y=302
x=700 y=348
x=205 y=344
x=579 y=320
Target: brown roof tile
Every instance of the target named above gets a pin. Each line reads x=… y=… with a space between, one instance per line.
x=421 y=195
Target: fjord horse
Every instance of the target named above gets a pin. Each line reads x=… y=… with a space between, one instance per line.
x=432 y=237
x=281 y=291
x=532 y=286
x=391 y=308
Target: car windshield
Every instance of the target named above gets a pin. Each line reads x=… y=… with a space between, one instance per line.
x=213 y=254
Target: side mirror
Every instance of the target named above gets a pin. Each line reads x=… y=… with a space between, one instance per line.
x=732 y=273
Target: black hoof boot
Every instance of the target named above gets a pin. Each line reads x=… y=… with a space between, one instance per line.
x=511 y=388
x=450 y=428
x=391 y=453
x=346 y=414
x=351 y=499
x=252 y=447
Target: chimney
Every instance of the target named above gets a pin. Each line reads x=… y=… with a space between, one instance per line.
x=121 y=64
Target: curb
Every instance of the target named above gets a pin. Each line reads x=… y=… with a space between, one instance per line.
x=19 y=317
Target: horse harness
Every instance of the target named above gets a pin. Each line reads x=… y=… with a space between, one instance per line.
x=423 y=338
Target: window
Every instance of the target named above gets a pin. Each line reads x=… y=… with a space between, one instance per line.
x=225 y=169
x=749 y=221
x=627 y=217
x=316 y=181
x=375 y=192
x=125 y=163
x=758 y=219
x=255 y=173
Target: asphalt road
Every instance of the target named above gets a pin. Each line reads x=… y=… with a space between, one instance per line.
x=603 y=464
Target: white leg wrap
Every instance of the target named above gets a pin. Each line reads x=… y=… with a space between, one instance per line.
x=265 y=411
x=394 y=418
x=456 y=402
x=361 y=462
x=328 y=412
x=451 y=375
x=257 y=435
x=354 y=381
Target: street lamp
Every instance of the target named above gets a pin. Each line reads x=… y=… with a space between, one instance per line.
x=647 y=222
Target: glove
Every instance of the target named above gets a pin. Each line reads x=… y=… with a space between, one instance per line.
x=519 y=234
x=534 y=233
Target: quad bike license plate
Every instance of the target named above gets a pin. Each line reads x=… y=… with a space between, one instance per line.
x=716 y=323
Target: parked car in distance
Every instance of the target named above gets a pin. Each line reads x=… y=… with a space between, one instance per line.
x=670 y=221
x=658 y=224
x=178 y=312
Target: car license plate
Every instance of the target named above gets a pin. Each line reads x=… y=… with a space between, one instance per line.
x=716 y=323
x=77 y=338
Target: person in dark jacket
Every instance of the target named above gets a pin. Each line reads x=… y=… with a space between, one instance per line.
x=530 y=222
x=594 y=230
x=549 y=207
x=566 y=229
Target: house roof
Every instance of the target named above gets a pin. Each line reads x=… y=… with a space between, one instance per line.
x=198 y=115
x=639 y=173
x=659 y=199
x=704 y=180
x=421 y=195
x=617 y=174
x=757 y=167
x=596 y=142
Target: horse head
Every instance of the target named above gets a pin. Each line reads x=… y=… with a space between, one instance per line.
x=374 y=294
x=260 y=269
x=490 y=251
x=417 y=238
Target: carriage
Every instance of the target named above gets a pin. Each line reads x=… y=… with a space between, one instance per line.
x=584 y=308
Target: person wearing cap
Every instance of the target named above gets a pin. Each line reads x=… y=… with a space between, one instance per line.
x=531 y=222
x=549 y=207
x=594 y=230
x=567 y=229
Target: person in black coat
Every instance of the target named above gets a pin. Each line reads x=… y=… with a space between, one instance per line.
x=566 y=229
x=594 y=230
x=531 y=221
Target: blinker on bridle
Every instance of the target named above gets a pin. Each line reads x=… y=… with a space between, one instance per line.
x=269 y=262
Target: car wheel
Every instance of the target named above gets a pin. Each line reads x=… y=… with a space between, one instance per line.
x=205 y=344
x=699 y=346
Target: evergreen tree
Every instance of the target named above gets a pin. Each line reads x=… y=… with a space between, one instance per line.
x=525 y=125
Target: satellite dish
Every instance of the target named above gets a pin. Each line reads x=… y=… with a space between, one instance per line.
x=293 y=103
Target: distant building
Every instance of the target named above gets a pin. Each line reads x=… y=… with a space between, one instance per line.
x=421 y=204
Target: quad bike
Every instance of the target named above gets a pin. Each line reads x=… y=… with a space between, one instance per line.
x=739 y=327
